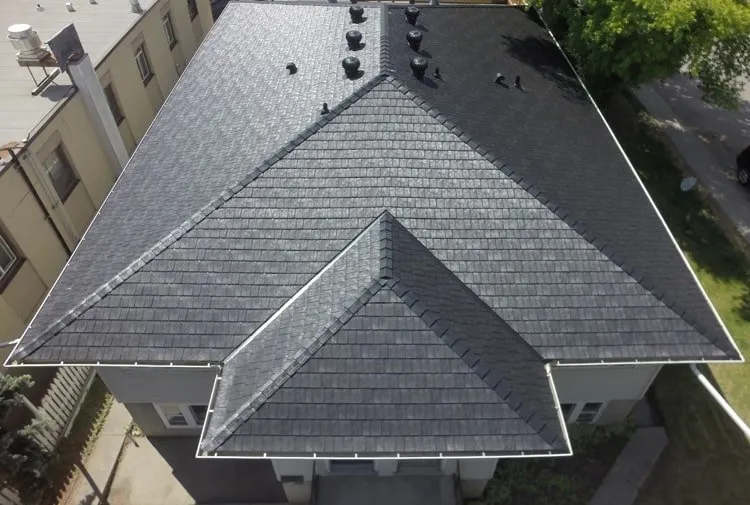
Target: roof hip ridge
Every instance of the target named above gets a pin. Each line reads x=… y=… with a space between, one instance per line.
x=151 y=253
x=579 y=226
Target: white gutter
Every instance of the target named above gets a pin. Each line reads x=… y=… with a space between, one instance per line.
x=720 y=400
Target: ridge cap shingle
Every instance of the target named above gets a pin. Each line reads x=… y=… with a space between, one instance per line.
x=563 y=214
x=30 y=346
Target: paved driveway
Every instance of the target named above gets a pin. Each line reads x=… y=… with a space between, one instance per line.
x=708 y=138
x=164 y=471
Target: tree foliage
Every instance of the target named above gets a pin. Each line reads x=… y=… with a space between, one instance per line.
x=619 y=43
x=23 y=462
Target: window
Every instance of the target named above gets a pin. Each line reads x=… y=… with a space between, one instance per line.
x=114 y=107
x=60 y=173
x=349 y=467
x=174 y=415
x=567 y=410
x=144 y=67
x=589 y=412
x=166 y=22
x=192 y=9
x=8 y=259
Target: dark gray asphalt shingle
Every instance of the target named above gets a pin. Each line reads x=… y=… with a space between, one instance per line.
x=550 y=135
x=234 y=106
x=421 y=367
x=205 y=293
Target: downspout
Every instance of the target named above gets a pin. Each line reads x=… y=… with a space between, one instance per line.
x=38 y=199
x=720 y=400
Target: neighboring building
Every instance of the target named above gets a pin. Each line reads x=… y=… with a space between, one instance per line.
x=329 y=260
x=57 y=164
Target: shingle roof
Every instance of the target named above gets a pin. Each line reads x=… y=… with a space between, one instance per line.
x=385 y=351
x=204 y=289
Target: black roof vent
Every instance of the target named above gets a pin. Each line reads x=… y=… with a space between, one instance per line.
x=414 y=38
x=436 y=73
x=517 y=84
x=325 y=110
x=291 y=67
x=418 y=66
x=412 y=13
x=499 y=78
x=357 y=13
x=353 y=38
x=351 y=66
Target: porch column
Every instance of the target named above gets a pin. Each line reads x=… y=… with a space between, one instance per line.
x=474 y=474
x=295 y=476
x=386 y=467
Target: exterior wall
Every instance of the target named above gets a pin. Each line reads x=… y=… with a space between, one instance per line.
x=159 y=385
x=619 y=387
x=474 y=474
x=296 y=477
x=44 y=242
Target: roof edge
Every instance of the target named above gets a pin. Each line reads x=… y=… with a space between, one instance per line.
x=25 y=349
x=577 y=225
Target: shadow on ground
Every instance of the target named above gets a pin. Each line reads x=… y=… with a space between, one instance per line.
x=707 y=460
x=165 y=470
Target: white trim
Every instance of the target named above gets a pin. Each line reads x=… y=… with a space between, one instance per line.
x=648 y=196
x=98 y=211
x=209 y=412
x=396 y=457
x=301 y=291
x=558 y=409
x=105 y=365
x=187 y=414
x=604 y=363
x=141 y=53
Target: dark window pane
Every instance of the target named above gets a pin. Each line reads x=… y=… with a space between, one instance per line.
x=192 y=8
x=113 y=105
x=60 y=173
x=7 y=258
x=199 y=413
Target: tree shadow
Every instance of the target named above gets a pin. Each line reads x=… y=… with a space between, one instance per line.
x=543 y=57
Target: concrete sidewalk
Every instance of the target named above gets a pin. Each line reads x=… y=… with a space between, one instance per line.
x=94 y=475
x=706 y=156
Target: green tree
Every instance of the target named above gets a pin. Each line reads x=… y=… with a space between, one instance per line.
x=23 y=462
x=625 y=43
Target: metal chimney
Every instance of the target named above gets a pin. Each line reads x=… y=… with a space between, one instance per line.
x=26 y=41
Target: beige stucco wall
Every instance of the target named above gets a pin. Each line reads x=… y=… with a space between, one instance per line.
x=22 y=219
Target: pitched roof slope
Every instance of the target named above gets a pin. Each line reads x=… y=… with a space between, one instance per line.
x=234 y=106
x=376 y=339
x=549 y=133
x=215 y=279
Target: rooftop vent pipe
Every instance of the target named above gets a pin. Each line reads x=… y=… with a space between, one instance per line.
x=418 y=66
x=353 y=39
x=414 y=38
x=351 y=66
x=357 y=13
x=291 y=67
x=412 y=13
x=135 y=7
x=26 y=41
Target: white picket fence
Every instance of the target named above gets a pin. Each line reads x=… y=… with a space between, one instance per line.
x=61 y=403
x=58 y=410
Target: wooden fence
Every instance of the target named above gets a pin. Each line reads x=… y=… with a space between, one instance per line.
x=57 y=412
x=61 y=403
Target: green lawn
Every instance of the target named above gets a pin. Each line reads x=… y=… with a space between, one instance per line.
x=707 y=461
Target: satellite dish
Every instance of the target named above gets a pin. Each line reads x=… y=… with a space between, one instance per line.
x=688 y=183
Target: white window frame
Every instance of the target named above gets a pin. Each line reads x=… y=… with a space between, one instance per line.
x=187 y=413
x=166 y=23
x=573 y=418
x=141 y=59
x=5 y=270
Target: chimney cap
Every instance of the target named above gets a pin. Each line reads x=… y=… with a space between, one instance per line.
x=351 y=66
x=353 y=38
x=412 y=13
x=418 y=66
x=357 y=13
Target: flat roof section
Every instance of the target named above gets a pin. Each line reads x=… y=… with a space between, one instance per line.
x=100 y=27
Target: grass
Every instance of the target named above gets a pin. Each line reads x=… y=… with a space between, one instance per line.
x=79 y=443
x=707 y=459
x=719 y=259
x=562 y=481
